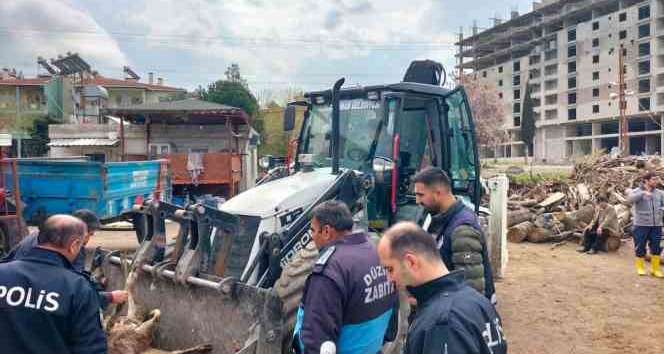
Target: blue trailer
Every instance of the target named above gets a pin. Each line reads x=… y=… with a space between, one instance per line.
x=110 y=189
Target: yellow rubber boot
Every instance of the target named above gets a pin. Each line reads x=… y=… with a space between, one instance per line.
x=640 y=266
x=655 y=271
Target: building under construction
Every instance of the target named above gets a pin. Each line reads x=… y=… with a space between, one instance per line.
x=570 y=52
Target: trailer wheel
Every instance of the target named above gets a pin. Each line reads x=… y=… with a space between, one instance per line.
x=4 y=243
x=290 y=285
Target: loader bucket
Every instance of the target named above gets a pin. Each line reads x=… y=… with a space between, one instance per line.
x=231 y=316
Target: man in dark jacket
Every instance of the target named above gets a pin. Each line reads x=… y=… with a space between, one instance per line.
x=45 y=305
x=92 y=223
x=451 y=317
x=347 y=299
x=456 y=229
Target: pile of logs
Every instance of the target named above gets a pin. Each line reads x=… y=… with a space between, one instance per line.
x=559 y=211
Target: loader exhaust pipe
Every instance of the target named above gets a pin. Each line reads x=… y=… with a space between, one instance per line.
x=335 y=125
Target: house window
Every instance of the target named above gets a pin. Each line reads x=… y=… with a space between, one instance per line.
x=622 y=34
x=644 y=49
x=516 y=108
x=198 y=150
x=500 y=69
x=516 y=66
x=571 y=35
x=571 y=82
x=571 y=67
x=624 y=52
x=571 y=51
x=644 y=12
x=595 y=108
x=516 y=81
x=595 y=75
x=644 y=85
x=517 y=94
x=644 y=30
x=644 y=67
x=595 y=59
x=159 y=149
x=500 y=82
x=595 y=42
x=644 y=104
x=500 y=95
x=136 y=100
x=596 y=92
x=595 y=25
x=484 y=73
x=622 y=17
x=571 y=98
x=517 y=121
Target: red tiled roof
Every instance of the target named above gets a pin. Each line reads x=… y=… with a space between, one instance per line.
x=24 y=82
x=106 y=82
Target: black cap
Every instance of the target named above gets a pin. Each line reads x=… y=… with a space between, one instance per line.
x=89 y=218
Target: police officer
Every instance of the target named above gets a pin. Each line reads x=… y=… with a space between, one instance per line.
x=93 y=224
x=347 y=298
x=456 y=229
x=451 y=317
x=45 y=305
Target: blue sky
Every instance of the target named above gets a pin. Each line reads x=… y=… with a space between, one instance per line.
x=278 y=44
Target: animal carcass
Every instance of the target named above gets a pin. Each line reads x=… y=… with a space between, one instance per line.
x=133 y=333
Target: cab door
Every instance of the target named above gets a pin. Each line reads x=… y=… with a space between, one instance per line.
x=460 y=158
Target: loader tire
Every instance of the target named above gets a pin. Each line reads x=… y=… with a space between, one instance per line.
x=290 y=285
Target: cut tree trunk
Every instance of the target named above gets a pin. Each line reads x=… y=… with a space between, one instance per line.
x=540 y=235
x=613 y=243
x=577 y=219
x=519 y=232
x=518 y=216
x=552 y=199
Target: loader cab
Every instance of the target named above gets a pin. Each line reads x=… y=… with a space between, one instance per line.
x=391 y=132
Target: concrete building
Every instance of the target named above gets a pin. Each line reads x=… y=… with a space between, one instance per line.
x=568 y=50
x=21 y=99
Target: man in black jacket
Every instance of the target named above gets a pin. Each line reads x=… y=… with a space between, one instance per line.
x=451 y=317
x=46 y=306
x=457 y=230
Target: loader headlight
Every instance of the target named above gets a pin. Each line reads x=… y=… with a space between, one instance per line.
x=265 y=161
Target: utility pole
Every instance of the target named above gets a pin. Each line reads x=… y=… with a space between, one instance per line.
x=461 y=52
x=624 y=143
x=18 y=120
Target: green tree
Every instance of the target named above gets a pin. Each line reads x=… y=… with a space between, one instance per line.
x=527 y=121
x=232 y=92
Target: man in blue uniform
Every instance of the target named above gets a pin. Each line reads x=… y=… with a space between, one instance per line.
x=347 y=298
x=92 y=223
x=45 y=305
x=457 y=230
x=451 y=317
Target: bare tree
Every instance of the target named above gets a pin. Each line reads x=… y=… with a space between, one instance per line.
x=487 y=109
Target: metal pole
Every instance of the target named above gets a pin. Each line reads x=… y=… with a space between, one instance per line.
x=461 y=52
x=18 y=119
x=623 y=122
x=122 y=139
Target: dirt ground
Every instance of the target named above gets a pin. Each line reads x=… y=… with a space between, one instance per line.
x=561 y=301
x=557 y=301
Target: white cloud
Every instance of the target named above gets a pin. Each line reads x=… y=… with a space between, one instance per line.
x=56 y=27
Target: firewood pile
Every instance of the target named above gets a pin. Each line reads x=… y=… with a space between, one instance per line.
x=559 y=211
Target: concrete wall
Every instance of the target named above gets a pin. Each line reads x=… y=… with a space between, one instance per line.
x=183 y=138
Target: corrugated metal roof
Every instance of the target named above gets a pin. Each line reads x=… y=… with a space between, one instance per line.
x=83 y=142
x=195 y=105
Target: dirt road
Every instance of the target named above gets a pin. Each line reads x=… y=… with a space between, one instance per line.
x=558 y=301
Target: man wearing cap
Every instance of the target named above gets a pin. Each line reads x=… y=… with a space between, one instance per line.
x=92 y=222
